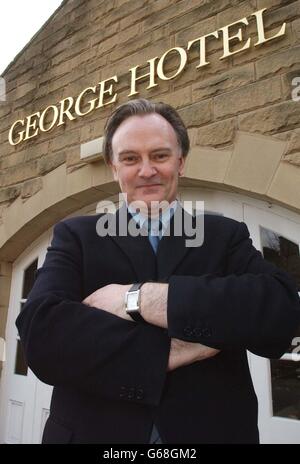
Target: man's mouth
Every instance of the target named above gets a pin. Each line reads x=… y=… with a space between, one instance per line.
x=148 y=185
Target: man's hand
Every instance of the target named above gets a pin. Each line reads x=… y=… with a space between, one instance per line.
x=111 y=299
x=183 y=353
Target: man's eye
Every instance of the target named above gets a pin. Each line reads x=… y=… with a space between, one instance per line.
x=129 y=159
x=161 y=156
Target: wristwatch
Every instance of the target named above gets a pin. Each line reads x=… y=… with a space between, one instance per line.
x=133 y=302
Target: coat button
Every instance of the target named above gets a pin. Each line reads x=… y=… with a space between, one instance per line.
x=139 y=394
x=187 y=331
x=197 y=331
x=131 y=393
x=206 y=332
x=123 y=391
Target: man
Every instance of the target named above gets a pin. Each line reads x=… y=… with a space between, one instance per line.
x=174 y=362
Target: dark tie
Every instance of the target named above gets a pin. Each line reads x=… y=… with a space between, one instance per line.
x=154 y=240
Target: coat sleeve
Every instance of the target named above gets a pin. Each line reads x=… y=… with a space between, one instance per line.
x=69 y=344
x=255 y=306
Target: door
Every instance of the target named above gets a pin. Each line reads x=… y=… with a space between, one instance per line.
x=277 y=382
x=275 y=231
x=25 y=400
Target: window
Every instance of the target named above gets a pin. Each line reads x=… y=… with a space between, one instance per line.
x=21 y=367
x=285 y=372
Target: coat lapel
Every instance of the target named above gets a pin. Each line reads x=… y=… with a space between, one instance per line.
x=138 y=250
x=172 y=248
x=171 y=251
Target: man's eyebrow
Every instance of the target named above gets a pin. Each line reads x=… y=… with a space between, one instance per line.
x=161 y=149
x=127 y=152
x=132 y=152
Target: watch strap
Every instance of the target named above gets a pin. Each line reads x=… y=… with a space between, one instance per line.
x=136 y=286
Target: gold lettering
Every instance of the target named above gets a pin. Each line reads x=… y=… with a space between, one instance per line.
x=227 y=38
x=43 y=115
x=82 y=105
x=31 y=125
x=151 y=74
x=261 y=31
x=20 y=133
x=160 y=65
x=91 y=102
x=65 y=111
x=103 y=91
x=202 y=44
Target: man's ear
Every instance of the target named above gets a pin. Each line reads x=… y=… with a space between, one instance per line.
x=114 y=170
x=181 y=166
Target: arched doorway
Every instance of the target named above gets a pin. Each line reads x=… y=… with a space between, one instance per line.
x=275 y=231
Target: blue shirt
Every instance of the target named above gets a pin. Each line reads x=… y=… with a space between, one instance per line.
x=154 y=225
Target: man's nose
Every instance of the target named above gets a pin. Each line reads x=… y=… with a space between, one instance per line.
x=147 y=169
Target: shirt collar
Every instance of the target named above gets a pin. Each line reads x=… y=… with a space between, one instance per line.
x=165 y=217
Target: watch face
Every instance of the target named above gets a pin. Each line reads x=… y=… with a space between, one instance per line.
x=132 y=300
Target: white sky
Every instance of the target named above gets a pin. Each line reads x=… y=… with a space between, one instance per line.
x=19 y=21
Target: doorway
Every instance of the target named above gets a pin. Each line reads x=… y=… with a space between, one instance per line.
x=275 y=231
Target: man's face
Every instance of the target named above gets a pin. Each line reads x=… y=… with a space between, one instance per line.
x=147 y=159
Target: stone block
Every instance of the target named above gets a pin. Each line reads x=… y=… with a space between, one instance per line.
x=273 y=118
x=9 y=193
x=30 y=187
x=207 y=164
x=254 y=162
x=15 y=174
x=247 y=97
x=218 y=133
x=50 y=162
x=223 y=81
x=278 y=62
x=197 y=114
x=283 y=187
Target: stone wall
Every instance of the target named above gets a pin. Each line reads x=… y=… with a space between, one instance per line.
x=86 y=41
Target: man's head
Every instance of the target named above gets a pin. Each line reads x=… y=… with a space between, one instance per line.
x=146 y=144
